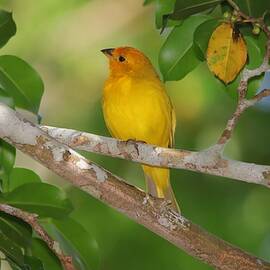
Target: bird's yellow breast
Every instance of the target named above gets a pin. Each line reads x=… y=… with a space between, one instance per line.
x=138 y=109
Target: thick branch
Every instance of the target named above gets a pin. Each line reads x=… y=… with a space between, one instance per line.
x=208 y=161
x=32 y=220
x=113 y=191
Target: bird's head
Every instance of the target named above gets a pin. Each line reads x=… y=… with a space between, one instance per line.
x=128 y=61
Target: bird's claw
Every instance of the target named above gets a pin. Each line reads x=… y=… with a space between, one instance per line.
x=134 y=143
x=147 y=199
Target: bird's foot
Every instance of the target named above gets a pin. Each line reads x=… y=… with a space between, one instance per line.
x=134 y=143
x=147 y=200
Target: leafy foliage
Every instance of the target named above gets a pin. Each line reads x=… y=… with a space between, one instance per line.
x=45 y=200
x=7 y=27
x=253 y=8
x=75 y=240
x=22 y=82
x=183 y=9
x=176 y=58
x=191 y=40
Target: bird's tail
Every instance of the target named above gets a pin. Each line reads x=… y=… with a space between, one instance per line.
x=158 y=184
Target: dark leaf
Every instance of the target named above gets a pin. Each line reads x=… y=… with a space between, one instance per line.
x=183 y=9
x=75 y=241
x=253 y=8
x=33 y=263
x=11 y=250
x=21 y=82
x=177 y=55
x=7 y=27
x=14 y=265
x=202 y=35
x=40 y=198
x=41 y=251
x=16 y=230
x=21 y=176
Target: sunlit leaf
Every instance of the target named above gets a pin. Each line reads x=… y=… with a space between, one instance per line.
x=202 y=35
x=21 y=176
x=163 y=9
x=41 y=251
x=21 y=82
x=7 y=27
x=186 y=8
x=226 y=53
x=40 y=198
x=177 y=55
x=76 y=241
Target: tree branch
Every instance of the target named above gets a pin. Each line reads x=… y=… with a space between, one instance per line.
x=207 y=161
x=32 y=220
x=152 y=213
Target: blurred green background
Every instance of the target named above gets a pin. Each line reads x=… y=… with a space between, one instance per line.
x=62 y=40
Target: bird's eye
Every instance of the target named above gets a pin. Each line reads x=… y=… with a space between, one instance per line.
x=121 y=58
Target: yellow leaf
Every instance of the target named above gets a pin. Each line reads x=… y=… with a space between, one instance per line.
x=226 y=53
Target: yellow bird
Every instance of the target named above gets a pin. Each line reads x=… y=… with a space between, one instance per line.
x=136 y=107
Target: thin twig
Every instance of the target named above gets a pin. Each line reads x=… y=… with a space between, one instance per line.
x=32 y=220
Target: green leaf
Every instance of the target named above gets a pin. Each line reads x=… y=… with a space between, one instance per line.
x=16 y=230
x=256 y=51
x=7 y=27
x=6 y=98
x=202 y=35
x=7 y=159
x=41 y=251
x=21 y=176
x=255 y=56
x=33 y=263
x=21 y=82
x=75 y=241
x=40 y=198
x=177 y=56
x=253 y=8
x=11 y=250
x=184 y=9
x=163 y=9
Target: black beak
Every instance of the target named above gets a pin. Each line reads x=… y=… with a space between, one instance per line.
x=108 y=52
